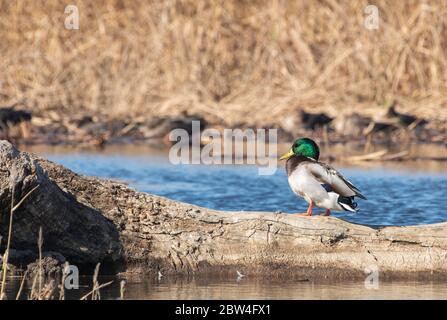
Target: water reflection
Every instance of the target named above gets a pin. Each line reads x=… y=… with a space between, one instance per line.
x=212 y=288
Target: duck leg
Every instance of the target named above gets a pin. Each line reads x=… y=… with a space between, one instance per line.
x=308 y=213
x=309 y=209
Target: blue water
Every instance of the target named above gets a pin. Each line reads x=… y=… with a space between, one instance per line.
x=394 y=197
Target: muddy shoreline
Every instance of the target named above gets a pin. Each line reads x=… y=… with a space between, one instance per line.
x=388 y=127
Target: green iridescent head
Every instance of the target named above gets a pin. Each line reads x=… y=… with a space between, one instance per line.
x=303 y=147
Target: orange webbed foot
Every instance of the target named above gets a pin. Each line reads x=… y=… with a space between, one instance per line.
x=303 y=214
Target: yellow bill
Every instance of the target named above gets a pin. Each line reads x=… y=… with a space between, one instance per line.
x=287 y=155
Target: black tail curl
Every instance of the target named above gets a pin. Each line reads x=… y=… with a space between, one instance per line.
x=348 y=203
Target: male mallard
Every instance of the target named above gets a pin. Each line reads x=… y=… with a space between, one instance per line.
x=318 y=183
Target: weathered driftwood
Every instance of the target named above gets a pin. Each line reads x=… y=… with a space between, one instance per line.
x=89 y=220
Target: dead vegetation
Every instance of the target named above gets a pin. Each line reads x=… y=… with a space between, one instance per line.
x=5 y=255
x=41 y=288
x=230 y=61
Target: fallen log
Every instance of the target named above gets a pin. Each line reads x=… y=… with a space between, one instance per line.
x=89 y=220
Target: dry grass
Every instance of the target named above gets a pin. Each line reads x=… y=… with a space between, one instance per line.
x=5 y=257
x=230 y=61
x=41 y=290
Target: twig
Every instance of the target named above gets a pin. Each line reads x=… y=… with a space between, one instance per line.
x=64 y=277
x=33 y=289
x=8 y=245
x=24 y=198
x=379 y=156
x=6 y=254
x=40 y=244
x=395 y=156
x=122 y=289
x=19 y=293
x=95 y=294
x=369 y=156
x=96 y=289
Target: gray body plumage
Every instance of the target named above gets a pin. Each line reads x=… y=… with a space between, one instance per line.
x=320 y=183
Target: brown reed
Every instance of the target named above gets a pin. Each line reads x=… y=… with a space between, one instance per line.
x=231 y=61
x=12 y=209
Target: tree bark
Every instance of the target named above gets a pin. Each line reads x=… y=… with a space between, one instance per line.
x=90 y=220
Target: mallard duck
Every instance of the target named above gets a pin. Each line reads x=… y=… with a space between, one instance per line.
x=318 y=183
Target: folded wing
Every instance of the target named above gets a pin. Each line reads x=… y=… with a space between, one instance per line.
x=328 y=175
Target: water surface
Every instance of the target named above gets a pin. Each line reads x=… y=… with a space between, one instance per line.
x=175 y=288
x=396 y=196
